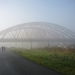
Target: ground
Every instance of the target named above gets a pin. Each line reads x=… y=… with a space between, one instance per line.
x=13 y=64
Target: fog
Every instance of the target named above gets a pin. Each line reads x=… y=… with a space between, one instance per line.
x=29 y=45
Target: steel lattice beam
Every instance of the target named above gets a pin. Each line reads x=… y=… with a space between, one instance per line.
x=37 y=30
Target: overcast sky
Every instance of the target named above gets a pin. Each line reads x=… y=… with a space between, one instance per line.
x=61 y=12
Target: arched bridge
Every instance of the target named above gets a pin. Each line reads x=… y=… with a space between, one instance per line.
x=37 y=32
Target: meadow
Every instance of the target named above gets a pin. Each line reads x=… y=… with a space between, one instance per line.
x=56 y=58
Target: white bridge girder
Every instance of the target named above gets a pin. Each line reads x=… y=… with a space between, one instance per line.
x=36 y=32
x=37 y=40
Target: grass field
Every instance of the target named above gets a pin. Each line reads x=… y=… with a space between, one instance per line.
x=59 y=59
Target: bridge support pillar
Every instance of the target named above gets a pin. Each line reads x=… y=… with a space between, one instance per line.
x=22 y=45
x=31 y=44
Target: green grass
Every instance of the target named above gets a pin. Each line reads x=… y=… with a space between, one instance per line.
x=61 y=60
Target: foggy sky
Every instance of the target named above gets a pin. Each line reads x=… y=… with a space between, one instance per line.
x=61 y=12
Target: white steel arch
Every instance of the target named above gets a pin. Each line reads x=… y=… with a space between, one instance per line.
x=37 y=31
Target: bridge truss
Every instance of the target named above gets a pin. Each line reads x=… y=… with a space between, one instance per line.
x=36 y=32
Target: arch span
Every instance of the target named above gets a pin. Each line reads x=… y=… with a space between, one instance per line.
x=37 y=31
